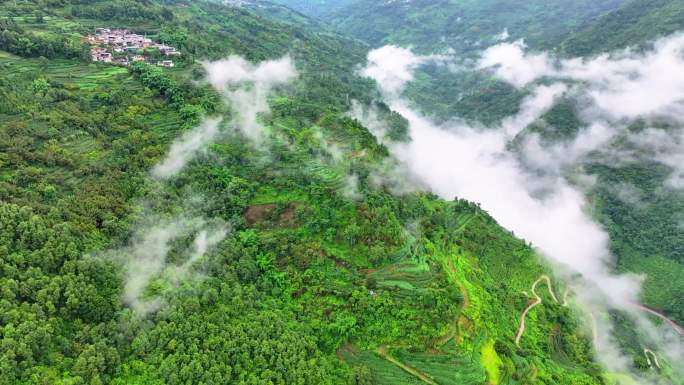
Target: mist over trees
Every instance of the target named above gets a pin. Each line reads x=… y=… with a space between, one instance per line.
x=237 y=219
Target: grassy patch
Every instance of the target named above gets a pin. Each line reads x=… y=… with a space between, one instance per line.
x=491 y=362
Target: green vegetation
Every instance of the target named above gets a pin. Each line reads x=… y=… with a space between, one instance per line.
x=642 y=216
x=646 y=236
x=313 y=284
x=635 y=23
x=316 y=8
x=461 y=25
x=646 y=232
x=463 y=28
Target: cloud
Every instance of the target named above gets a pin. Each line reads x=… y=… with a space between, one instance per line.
x=460 y=161
x=456 y=159
x=145 y=256
x=666 y=147
x=370 y=118
x=393 y=67
x=513 y=65
x=531 y=109
x=503 y=36
x=616 y=82
x=186 y=148
x=236 y=70
x=350 y=187
x=205 y=240
x=616 y=90
x=555 y=157
x=247 y=86
x=629 y=194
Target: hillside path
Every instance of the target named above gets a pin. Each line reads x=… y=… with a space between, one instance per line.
x=382 y=352
x=537 y=301
x=678 y=329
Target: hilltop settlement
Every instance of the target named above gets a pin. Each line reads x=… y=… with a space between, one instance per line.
x=119 y=46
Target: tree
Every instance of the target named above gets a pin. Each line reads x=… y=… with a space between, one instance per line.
x=41 y=86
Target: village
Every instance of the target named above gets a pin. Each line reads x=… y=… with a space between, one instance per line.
x=119 y=46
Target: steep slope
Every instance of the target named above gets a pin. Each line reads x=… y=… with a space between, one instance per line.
x=320 y=275
x=463 y=28
x=459 y=25
x=319 y=9
x=646 y=236
x=634 y=23
x=633 y=200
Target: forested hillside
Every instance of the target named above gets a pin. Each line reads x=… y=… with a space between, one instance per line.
x=461 y=25
x=646 y=238
x=296 y=258
x=634 y=23
x=646 y=231
x=462 y=28
x=318 y=9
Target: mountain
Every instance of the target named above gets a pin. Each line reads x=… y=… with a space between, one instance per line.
x=634 y=194
x=277 y=12
x=463 y=28
x=431 y=25
x=225 y=221
x=645 y=239
x=634 y=23
x=318 y=9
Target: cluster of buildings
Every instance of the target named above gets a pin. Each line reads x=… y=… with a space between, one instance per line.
x=118 y=46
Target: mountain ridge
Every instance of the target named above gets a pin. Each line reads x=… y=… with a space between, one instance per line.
x=295 y=253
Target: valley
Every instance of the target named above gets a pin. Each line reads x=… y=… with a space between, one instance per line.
x=352 y=192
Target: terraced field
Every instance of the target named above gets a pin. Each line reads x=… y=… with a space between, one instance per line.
x=383 y=371
x=447 y=369
x=57 y=114
x=69 y=72
x=447 y=362
x=394 y=366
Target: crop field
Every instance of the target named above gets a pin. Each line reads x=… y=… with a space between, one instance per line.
x=442 y=369
x=70 y=73
x=406 y=276
x=70 y=124
x=447 y=369
x=383 y=371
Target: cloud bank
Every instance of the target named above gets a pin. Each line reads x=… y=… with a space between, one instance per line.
x=457 y=160
x=624 y=84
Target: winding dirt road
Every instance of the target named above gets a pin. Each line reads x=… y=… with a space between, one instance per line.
x=537 y=301
x=650 y=353
x=678 y=329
